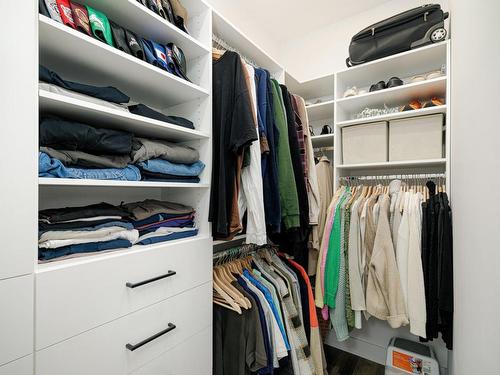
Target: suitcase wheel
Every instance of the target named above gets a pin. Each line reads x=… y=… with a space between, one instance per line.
x=438 y=35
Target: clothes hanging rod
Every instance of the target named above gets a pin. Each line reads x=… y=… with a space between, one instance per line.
x=407 y=176
x=330 y=148
x=220 y=246
x=220 y=43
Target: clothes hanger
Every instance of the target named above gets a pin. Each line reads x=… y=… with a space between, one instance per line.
x=225 y=280
x=224 y=299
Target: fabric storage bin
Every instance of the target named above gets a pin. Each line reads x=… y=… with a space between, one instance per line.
x=364 y=143
x=416 y=138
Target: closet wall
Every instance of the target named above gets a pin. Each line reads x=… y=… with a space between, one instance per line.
x=475 y=180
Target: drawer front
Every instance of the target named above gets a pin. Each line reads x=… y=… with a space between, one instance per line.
x=16 y=318
x=23 y=366
x=74 y=299
x=103 y=350
x=192 y=357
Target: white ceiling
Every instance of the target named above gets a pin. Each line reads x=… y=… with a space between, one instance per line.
x=286 y=19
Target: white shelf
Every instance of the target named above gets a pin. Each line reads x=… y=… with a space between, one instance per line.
x=105 y=117
x=225 y=30
x=325 y=140
x=79 y=57
x=98 y=256
x=321 y=111
x=394 y=96
x=315 y=88
x=47 y=181
x=403 y=65
x=395 y=116
x=146 y=23
x=394 y=164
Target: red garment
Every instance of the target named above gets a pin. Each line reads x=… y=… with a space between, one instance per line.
x=81 y=18
x=66 y=13
x=312 y=308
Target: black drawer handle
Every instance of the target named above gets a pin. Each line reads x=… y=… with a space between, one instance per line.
x=131 y=347
x=141 y=283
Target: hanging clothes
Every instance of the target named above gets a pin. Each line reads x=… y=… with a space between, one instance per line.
x=233 y=129
x=313 y=190
x=272 y=204
x=437 y=261
x=279 y=299
x=386 y=252
x=324 y=174
x=251 y=198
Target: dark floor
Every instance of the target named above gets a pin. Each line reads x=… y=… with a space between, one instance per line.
x=342 y=363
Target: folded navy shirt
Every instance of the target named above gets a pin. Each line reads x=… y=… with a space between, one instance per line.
x=143 y=110
x=108 y=93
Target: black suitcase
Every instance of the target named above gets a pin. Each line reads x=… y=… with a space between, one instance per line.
x=402 y=32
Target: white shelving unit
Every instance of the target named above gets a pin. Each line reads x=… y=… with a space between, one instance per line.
x=321 y=111
x=80 y=309
x=371 y=341
x=325 y=140
x=320 y=104
x=63 y=48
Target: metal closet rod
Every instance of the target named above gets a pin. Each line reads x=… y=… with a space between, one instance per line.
x=237 y=253
x=220 y=43
x=409 y=176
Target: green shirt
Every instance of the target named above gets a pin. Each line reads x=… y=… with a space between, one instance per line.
x=286 y=178
x=332 y=266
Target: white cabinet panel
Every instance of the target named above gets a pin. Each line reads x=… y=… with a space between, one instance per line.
x=18 y=141
x=192 y=357
x=23 y=366
x=103 y=350
x=74 y=299
x=16 y=318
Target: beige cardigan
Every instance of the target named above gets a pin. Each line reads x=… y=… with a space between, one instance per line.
x=384 y=296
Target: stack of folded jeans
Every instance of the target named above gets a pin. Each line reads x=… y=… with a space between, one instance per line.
x=67 y=232
x=159 y=221
x=76 y=231
x=160 y=160
x=70 y=149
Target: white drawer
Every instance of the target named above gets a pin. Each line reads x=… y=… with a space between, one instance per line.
x=16 y=318
x=23 y=366
x=103 y=350
x=192 y=357
x=71 y=300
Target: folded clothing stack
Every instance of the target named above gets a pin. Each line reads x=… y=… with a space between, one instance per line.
x=107 y=96
x=159 y=221
x=96 y=24
x=69 y=149
x=69 y=231
x=73 y=231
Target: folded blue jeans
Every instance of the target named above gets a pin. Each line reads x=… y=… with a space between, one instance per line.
x=168 y=237
x=91 y=247
x=166 y=167
x=50 y=167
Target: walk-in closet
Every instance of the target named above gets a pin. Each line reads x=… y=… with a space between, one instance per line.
x=195 y=187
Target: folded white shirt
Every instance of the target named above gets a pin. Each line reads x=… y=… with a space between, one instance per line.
x=76 y=234
x=131 y=235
